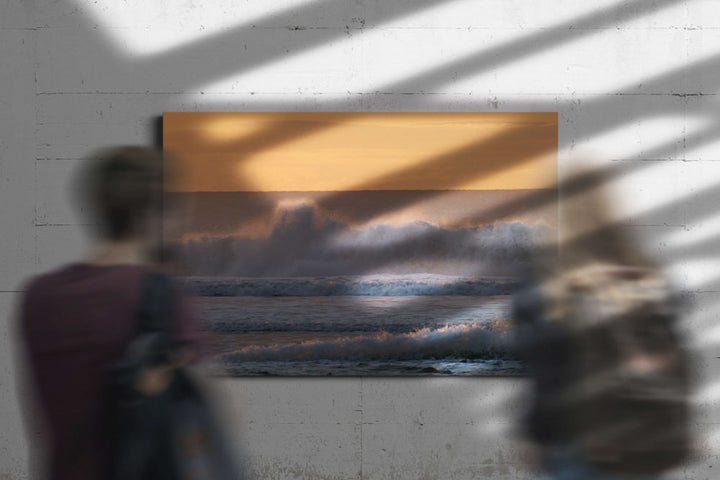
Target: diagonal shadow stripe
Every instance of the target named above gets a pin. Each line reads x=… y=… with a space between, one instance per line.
x=600 y=109
x=196 y=64
x=624 y=11
x=456 y=166
x=191 y=65
x=209 y=59
x=704 y=249
x=526 y=46
x=578 y=185
x=690 y=209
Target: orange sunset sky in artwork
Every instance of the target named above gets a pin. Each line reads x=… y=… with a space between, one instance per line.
x=303 y=152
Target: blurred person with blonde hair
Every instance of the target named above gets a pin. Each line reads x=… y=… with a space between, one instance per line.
x=610 y=374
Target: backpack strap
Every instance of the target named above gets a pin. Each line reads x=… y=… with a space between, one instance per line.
x=154 y=314
x=155 y=304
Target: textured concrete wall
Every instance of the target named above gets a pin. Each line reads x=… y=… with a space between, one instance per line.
x=633 y=81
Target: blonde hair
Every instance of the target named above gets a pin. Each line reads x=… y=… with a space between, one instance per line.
x=594 y=252
x=608 y=289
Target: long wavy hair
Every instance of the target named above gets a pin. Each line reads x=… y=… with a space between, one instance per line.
x=593 y=246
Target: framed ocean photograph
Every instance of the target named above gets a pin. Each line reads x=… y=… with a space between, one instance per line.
x=359 y=244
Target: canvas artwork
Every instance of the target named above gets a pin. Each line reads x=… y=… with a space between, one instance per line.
x=359 y=243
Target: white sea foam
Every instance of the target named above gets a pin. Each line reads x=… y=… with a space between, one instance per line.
x=305 y=242
x=468 y=341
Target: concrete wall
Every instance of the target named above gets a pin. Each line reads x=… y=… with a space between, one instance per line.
x=634 y=81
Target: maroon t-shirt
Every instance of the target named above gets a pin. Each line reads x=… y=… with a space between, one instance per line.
x=75 y=322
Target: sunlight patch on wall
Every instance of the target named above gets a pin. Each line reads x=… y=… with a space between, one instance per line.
x=146 y=28
x=636 y=139
x=708 y=394
x=699 y=275
x=566 y=68
x=656 y=183
x=709 y=338
x=548 y=56
x=496 y=14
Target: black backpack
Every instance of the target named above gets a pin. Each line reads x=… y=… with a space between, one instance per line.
x=172 y=435
x=627 y=403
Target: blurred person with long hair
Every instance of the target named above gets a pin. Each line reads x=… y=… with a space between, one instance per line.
x=596 y=326
x=78 y=320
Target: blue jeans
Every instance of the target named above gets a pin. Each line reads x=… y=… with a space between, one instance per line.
x=564 y=463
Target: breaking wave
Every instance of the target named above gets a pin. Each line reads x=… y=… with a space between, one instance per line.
x=305 y=242
x=490 y=340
